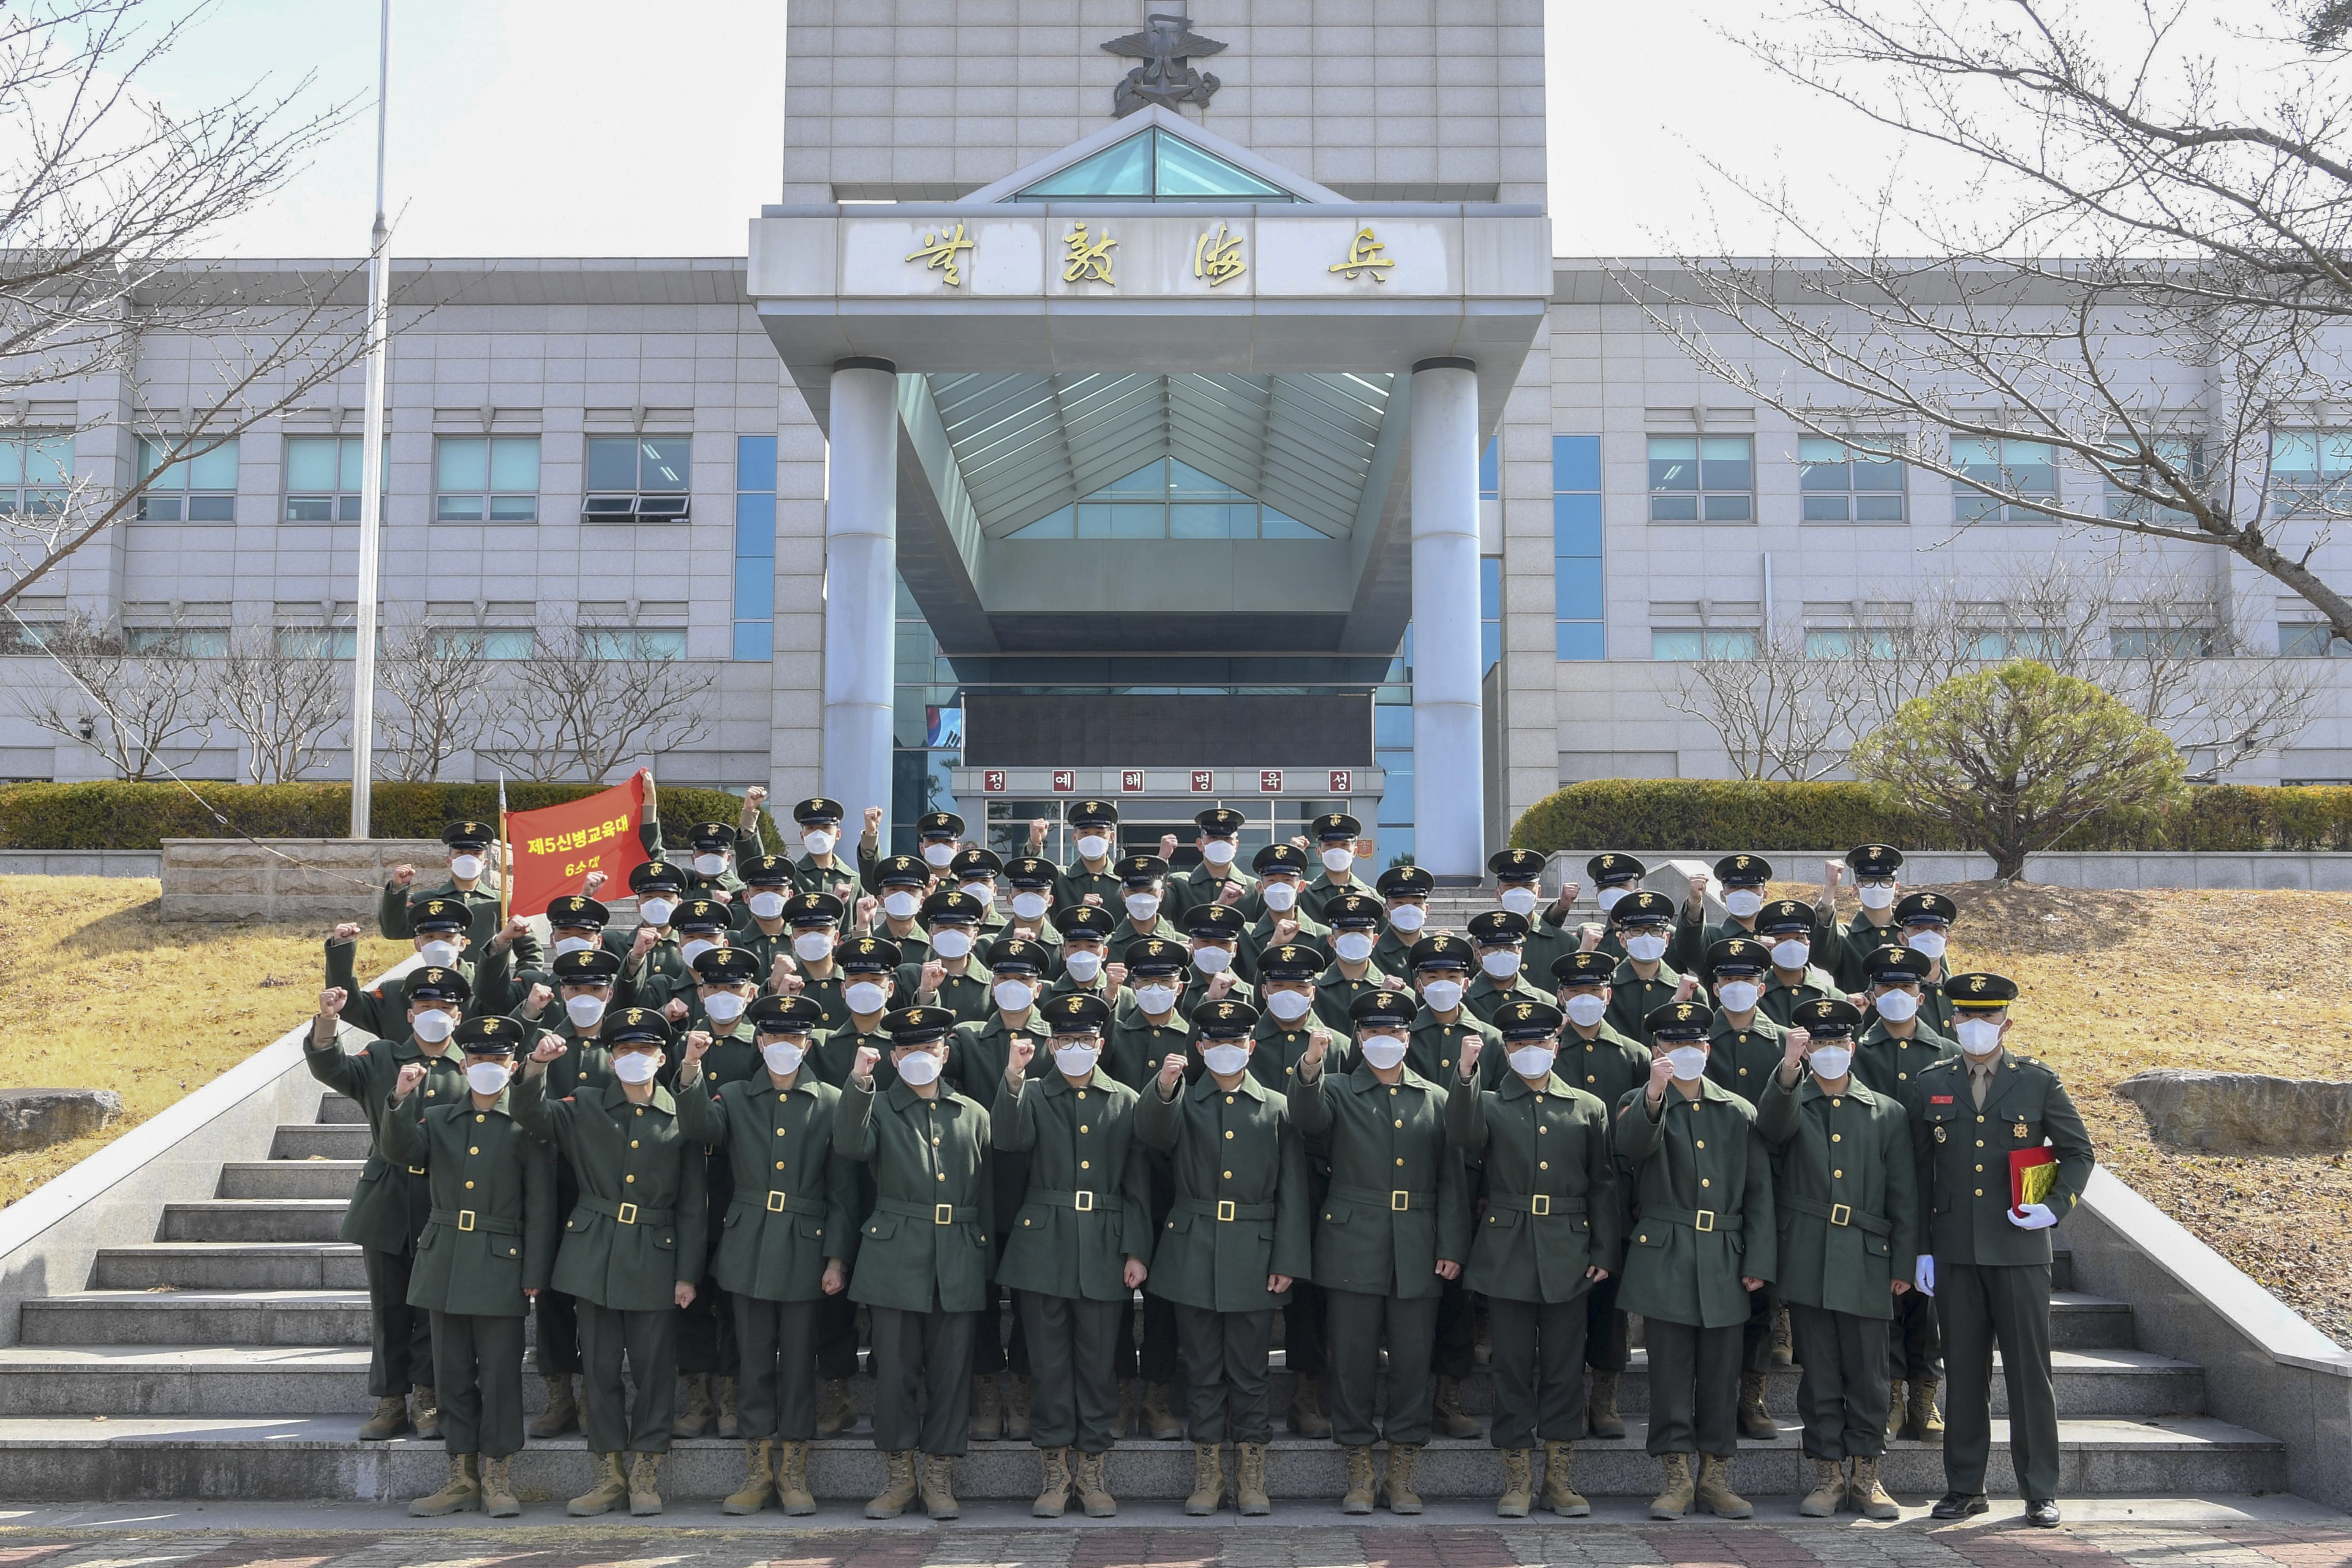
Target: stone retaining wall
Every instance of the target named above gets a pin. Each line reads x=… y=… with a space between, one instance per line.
x=2106 y=868
x=80 y=863
x=307 y=879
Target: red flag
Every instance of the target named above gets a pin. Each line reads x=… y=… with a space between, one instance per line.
x=551 y=851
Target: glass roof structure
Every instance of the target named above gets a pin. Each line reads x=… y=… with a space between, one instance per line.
x=1153 y=166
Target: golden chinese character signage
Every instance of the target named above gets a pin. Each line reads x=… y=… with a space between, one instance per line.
x=1217 y=256
x=939 y=253
x=1364 y=260
x=1086 y=258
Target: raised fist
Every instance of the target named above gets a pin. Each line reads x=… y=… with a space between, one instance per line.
x=1318 y=1044
x=1661 y=1069
x=933 y=972
x=696 y=1042
x=1688 y=988
x=1698 y=887
x=675 y=1009
x=1569 y=891
x=756 y=796
x=1094 y=899
x=330 y=1002
x=1831 y=870
x=1220 y=985
x=1114 y=974
x=536 y=1002
x=873 y=820
x=592 y=882
x=1285 y=931
x=346 y=931
x=1588 y=937
x=403 y=875
x=514 y=929
x=1231 y=893
x=865 y=908
x=1037 y=829
x=410 y=1077
x=643 y=943
x=861 y=1069
x=551 y=1049
x=1017 y=1055
x=1166 y=847
x=1470 y=1047
x=1170 y=1070
x=1792 y=1048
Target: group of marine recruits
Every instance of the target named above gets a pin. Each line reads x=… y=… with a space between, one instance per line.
x=1157 y=1110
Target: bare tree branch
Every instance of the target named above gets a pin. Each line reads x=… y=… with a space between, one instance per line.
x=588 y=699
x=284 y=697
x=438 y=676
x=127 y=705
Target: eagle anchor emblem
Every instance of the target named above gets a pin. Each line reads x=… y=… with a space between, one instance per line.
x=1166 y=47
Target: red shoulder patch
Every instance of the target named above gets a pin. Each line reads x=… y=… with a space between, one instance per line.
x=1940 y=1099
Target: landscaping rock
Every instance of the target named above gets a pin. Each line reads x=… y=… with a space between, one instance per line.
x=2242 y=1113
x=37 y=1118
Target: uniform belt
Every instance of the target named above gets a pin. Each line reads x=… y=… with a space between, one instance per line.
x=628 y=1214
x=1697 y=1219
x=1396 y=1198
x=1083 y=1201
x=474 y=1219
x=1537 y=1204
x=938 y=1213
x=774 y=1201
x=1838 y=1214
x=1223 y=1209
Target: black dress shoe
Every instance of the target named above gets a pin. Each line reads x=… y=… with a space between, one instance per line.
x=2042 y=1515
x=1964 y=1505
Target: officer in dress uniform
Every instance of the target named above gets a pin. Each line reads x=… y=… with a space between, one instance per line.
x=1889 y=1056
x=1395 y=1225
x=1079 y=1241
x=1645 y=981
x=1986 y=1262
x=1549 y=1235
x=652 y=965
x=1340 y=842
x=904 y=882
x=960 y=980
x=1216 y=877
x=1743 y=1053
x=1029 y=904
x=1742 y=879
x=974 y=873
x=1848 y=1205
x=1924 y=920
x=487 y=1247
x=1094 y=830
x=1501 y=938
x=710 y=865
x=1596 y=1058
x=1440 y=966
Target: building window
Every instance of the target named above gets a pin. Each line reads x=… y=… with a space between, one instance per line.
x=2310 y=640
x=1702 y=478
x=1490 y=469
x=1841 y=642
x=640 y=479
x=201 y=489
x=35 y=474
x=1688 y=645
x=1841 y=485
x=486 y=479
x=318 y=642
x=323 y=478
x=191 y=642
x=636 y=643
x=2161 y=642
x=1166 y=500
x=1392 y=750
x=2311 y=470
x=2026 y=468
x=1578 y=606
x=755 y=548
x=2181 y=454
x=1154 y=167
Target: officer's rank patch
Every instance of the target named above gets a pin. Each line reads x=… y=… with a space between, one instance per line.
x=2022 y=1132
x=1942 y=1133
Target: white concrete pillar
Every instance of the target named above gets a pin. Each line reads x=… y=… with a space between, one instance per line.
x=861 y=554
x=1448 y=787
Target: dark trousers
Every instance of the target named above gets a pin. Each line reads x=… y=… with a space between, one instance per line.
x=1607 y=1334
x=1302 y=1332
x=1694 y=1388
x=1841 y=1388
x=994 y=1347
x=557 y=1319
x=1075 y=1397
x=400 y=1337
x=480 y=1363
x=1755 y=1337
x=649 y=1341
x=775 y=1368
x=1152 y=1355
x=1455 y=1352
x=1352 y=1326
x=706 y=1332
x=1914 y=1343
x=1982 y=1306
x=1226 y=1357
x=836 y=1338
x=916 y=1354
x=1538 y=1370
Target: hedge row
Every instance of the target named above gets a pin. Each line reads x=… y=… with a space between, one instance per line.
x=1697 y=815
x=117 y=816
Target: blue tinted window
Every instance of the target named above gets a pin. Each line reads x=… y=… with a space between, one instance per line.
x=755 y=591
x=755 y=462
x=754 y=641
x=755 y=528
x=1576 y=462
x=1575 y=525
x=1579 y=602
x=1490 y=587
x=1490 y=468
x=1581 y=640
x=1577 y=588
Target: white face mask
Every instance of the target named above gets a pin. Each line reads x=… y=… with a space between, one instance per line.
x=1226 y=1061
x=1788 y=953
x=1337 y=861
x=710 y=865
x=1352 y=946
x=1586 y=1010
x=1927 y=943
x=433 y=1027
x=1383 y=1051
x=1743 y=902
x=1876 y=897
x=1093 y=846
x=1213 y=960
x=657 y=911
x=583 y=1010
x=900 y=905
x=1218 y=851
x=1142 y=906
x=1532 y=1061
x=485 y=1078
x=465 y=868
x=1029 y=906
x=819 y=844
x=438 y=953
x=1290 y=1006
x=1607 y=898
x=1013 y=995
x=1083 y=965
x=1520 y=902
x=1280 y=895
x=1689 y=1062
x=724 y=1007
x=813 y=945
x=1831 y=1061
x=982 y=892
x=1897 y=1007
x=948 y=942
x=565 y=944
x=1155 y=999
x=1979 y=1036
x=1408 y=918
x=919 y=1067
x=1501 y=962
x=1077 y=1061
x=865 y=998
x=1738 y=996
x=1647 y=947
x=783 y=1057
x=767 y=906
x=938 y=856
x=694 y=948
x=636 y=1067
x=1441 y=995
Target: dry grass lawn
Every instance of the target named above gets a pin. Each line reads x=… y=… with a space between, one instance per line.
x=98 y=990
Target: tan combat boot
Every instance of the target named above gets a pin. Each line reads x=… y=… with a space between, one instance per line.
x=1053 y=1489
x=1208 y=1480
x=1674 y=1499
x=1519 y=1484
x=834 y=1412
x=938 y=1486
x=1869 y=1497
x=645 y=1485
x=1094 y=1486
x=1894 y=1410
x=987 y=1419
x=1601 y=1418
x=499 y=1500
x=462 y=1492
x=1559 y=1496
x=1755 y=1421
x=1018 y=1392
x=390 y=1420
x=1159 y=1420
x=792 y=1494
x=427 y=1407
x=1397 y=1482
x=563 y=1412
x=1249 y=1479
x=759 y=1481
x=1447 y=1417
x=1829 y=1490
x=1305 y=1417
x=1360 y=1485
x=1921 y=1422
x=612 y=1487
x=1713 y=1491
x=730 y=1418
x=695 y=1413
x=897 y=1490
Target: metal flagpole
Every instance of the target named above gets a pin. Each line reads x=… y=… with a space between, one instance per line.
x=379 y=324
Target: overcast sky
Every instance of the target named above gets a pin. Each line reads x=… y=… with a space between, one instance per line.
x=613 y=128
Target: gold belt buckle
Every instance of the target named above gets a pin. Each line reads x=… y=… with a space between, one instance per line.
x=1224 y=1210
x=628 y=1214
x=1399 y=1201
x=775 y=1200
x=1540 y=1204
x=1705 y=1219
x=1841 y=1214
x=464 y=1219
x=943 y=1214
x=1086 y=1200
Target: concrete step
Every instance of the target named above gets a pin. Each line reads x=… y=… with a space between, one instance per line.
x=2080 y=1321
x=341 y=1109
x=254 y=1219
x=320 y=1141
x=229 y=1266
x=316 y=1318
x=290 y=1178
x=282 y=1458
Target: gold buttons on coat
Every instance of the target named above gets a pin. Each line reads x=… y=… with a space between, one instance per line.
x=1082 y=1127
x=1400 y=1122
x=633 y=1142
x=1229 y=1099
x=1229 y=1133
x=623 y=1178
x=469 y=1187
x=1837 y=1137
x=1839 y=1175
x=1400 y=1160
x=476 y=1149
x=1541 y=1164
x=479 y=1117
x=1704 y=1182
x=779 y=1164
x=1228 y=1175
x=1086 y=1165
x=780 y=1133
x=1701 y=1142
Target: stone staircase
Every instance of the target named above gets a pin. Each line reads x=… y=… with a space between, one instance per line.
x=228 y=1360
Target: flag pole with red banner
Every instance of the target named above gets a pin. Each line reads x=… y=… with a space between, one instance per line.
x=551 y=851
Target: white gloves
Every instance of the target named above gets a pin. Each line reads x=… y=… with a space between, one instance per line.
x=2032 y=1216
x=1923 y=1275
